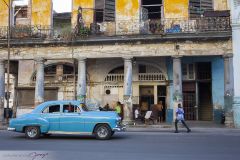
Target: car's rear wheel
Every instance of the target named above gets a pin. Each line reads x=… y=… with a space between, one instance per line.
x=103 y=132
x=113 y=133
x=32 y=132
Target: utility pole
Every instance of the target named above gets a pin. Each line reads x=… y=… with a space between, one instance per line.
x=8 y=57
x=9 y=5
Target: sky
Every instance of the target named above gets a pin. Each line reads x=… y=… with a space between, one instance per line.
x=58 y=5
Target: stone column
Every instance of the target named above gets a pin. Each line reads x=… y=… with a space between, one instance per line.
x=2 y=89
x=82 y=80
x=228 y=89
x=235 y=14
x=155 y=94
x=127 y=89
x=39 y=88
x=177 y=83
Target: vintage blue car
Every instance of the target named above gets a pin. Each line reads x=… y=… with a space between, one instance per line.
x=66 y=117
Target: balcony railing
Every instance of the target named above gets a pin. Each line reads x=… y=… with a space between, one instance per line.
x=21 y=32
x=151 y=77
x=161 y=27
x=114 y=78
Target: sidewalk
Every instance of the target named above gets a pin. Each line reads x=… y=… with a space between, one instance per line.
x=194 y=125
x=3 y=127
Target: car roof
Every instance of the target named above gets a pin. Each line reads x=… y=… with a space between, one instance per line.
x=40 y=107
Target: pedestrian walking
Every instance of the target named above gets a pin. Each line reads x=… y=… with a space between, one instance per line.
x=180 y=117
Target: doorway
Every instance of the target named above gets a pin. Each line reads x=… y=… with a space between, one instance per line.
x=161 y=94
x=189 y=100
x=205 y=101
x=146 y=97
x=154 y=8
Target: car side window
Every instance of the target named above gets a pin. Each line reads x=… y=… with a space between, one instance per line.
x=52 y=109
x=69 y=108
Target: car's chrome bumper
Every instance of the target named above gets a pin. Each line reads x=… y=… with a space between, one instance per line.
x=119 y=128
x=11 y=129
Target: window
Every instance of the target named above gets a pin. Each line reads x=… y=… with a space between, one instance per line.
x=153 y=8
x=197 y=7
x=99 y=8
x=188 y=71
x=69 y=108
x=142 y=69
x=104 y=10
x=52 y=109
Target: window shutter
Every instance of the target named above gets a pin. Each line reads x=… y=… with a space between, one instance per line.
x=109 y=12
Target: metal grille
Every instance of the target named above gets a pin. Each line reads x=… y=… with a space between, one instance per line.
x=189 y=101
x=197 y=7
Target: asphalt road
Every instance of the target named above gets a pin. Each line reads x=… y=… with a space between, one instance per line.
x=197 y=145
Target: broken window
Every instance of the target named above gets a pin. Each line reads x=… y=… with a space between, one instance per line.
x=20 y=11
x=152 y=8
x=99 y=8
x=198 y=7
x=104 y=10
x=50 y=69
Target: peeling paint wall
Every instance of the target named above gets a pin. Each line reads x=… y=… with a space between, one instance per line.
x=221 y=5
x=88 y=13
x=3 y=14
x=176 y=8
x=127 y=16
x=41 y=12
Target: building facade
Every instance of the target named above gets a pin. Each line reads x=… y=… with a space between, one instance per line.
x=138 y=52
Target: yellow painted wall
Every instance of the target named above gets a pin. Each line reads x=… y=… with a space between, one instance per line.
x=3 y=14
x=127 y=9
x=221 y=5
x=127 y=16
x=87 y=13
x=176 y=8
x=41 y=12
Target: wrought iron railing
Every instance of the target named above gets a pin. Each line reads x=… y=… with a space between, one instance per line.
x=21 y=32
x=126 y=27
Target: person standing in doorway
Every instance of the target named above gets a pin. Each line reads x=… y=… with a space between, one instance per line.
x=160 y=111
x=180 y=117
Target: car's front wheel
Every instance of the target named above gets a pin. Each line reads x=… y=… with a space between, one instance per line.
x=32 y=132
x=103 y=132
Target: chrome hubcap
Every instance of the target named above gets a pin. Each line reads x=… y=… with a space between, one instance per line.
x=102 y=132
x=32 y=132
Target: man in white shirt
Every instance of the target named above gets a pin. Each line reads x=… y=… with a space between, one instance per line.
x=180 y=117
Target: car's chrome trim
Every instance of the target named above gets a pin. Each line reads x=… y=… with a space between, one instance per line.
x=11 y=129
x=71 y=133
x=119 y=128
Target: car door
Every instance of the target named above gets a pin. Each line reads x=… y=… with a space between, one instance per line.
x=52 y=113
x=71 y=119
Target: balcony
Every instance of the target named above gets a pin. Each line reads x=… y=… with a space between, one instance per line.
x=203 y=27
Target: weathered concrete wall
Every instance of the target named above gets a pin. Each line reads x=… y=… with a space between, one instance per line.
x=25 y=71
x=41 y=12
x=221 y=5
x=98 y=69
x=88 y=14
x=3 y=13
x=176 y=8
x=187 y=48
x=127 y=16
